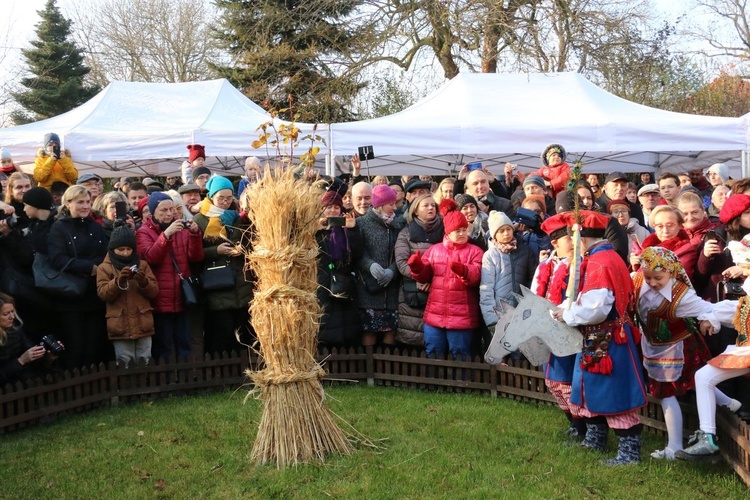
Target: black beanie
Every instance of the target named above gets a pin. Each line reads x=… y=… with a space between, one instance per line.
x=464 y=199
x=122 y=236
x=38 y=197
x=198 y=171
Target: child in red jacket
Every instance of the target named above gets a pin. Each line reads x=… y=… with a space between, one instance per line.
x=453 y=270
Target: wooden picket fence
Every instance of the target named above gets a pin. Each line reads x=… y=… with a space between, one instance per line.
x=39 y=401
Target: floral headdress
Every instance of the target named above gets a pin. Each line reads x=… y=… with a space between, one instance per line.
x=662 y=259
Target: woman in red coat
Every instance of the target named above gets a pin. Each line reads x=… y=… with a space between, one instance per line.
x=453 y=269
x=668 y=233
x=165 y=242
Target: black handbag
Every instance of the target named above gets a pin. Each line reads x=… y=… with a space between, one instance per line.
x=218 y=277
x=187 y=286
x=58 y=282
x=341 y=283
x=729 y=290
x=413 y=296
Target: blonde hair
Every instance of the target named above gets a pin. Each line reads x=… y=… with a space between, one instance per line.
x=415 y=205
x=73 y=193
x=14 y=177
x=379 y=179
x=6 y=299
x=665 y=208
x=102 y=202
x=438 y=194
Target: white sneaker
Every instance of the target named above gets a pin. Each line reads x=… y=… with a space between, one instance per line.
x=665 y=454
x=734 y=406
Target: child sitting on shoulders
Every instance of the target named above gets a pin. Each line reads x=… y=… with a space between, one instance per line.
x=127 y=285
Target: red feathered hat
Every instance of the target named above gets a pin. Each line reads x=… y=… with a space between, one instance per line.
x=196 y=151
x=452 y=218
x=735 y=205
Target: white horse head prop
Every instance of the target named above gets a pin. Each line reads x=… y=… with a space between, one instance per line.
x=532 y=330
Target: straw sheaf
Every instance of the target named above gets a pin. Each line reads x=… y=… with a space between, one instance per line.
x=296 y=426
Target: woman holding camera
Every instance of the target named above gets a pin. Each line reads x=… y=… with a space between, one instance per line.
x=169 y=245
x=77 y=245
x=226 y=299
x=19 y=357
x=339 y=248
x=109 y=212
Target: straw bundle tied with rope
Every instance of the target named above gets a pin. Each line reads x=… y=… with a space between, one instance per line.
x=296 y=426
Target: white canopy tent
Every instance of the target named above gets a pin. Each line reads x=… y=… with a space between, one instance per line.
x=133 y=128
x=496 y=118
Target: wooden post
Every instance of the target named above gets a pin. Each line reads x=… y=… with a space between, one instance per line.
x=370 y=366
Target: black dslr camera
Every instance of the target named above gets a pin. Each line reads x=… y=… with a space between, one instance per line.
x=11 y=220
x=51 y=344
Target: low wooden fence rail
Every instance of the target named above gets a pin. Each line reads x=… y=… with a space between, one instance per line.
x=37 y=401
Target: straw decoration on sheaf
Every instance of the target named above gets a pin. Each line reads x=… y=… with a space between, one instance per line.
x=296 y=426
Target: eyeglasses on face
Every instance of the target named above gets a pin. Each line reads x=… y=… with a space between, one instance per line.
x=666 y=225
x=618 y=213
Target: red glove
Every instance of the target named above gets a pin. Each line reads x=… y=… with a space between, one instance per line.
x=460 y=269
x=415 y=263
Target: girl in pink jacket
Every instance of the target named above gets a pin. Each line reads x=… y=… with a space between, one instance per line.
x=453 y=269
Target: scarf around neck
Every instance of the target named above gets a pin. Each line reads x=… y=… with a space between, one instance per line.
x=215 y=229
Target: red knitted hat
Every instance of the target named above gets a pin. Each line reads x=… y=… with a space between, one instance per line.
x=332 y=198
x=452 y=218
x=196 y=151
x=142 y=204
x=734 y=207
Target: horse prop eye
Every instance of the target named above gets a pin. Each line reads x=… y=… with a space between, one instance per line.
x=526 y=314
x=507 y=346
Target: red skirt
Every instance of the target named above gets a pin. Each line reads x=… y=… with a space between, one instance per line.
x=696 y=355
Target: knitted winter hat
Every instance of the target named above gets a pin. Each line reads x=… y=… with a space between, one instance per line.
x=141 y=204
x=622 y=203
x=382 y=195
x=196 y=151
x=733 y=207
x=721 y=169
x=452 y=217
x=122 y=236
x=332 y=198
x=5 y=155
x=38 y=197
x=51 y=137
x=534 y=179
x=496 y=220
x=197 y=172
x=154 y=199
x=537 y=198
x=464 y=199
x=217 y=183
x=551 y=149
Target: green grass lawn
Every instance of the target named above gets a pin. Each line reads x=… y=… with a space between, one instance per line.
x=434 y=446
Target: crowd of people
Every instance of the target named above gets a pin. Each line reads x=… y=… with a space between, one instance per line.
x=98 y=276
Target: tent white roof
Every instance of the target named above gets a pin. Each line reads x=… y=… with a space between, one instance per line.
x=496 y=118
x=144 y=128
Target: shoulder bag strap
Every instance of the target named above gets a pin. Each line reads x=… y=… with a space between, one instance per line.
x=174 y=263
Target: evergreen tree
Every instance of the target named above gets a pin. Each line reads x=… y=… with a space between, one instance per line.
x=57 y=84
x=290 y=48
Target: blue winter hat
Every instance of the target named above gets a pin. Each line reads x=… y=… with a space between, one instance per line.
x=154 y=199
x=217 y=183
x=51 y=137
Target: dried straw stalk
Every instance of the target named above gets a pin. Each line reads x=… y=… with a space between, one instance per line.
x=295 y=427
